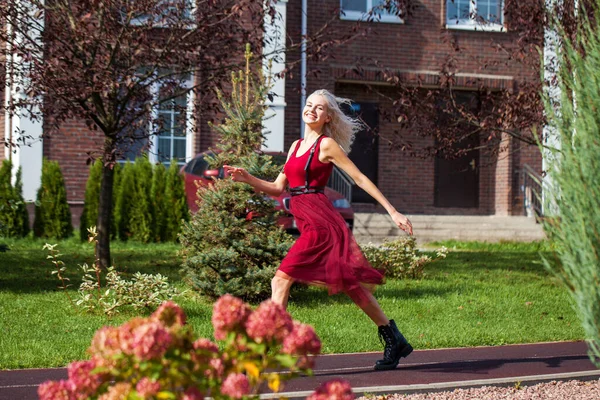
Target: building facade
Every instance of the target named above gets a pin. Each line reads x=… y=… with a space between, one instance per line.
x=482 y=183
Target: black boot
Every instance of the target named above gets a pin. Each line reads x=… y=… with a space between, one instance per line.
x=396 y=346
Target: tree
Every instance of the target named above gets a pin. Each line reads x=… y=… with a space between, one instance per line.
x=232 y=244
x=97 y=61
x=573 y=200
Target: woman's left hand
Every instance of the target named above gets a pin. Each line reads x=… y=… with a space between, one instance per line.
x=402 y=222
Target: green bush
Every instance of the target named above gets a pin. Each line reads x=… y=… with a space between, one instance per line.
x=233 y=244
x=124 y=202
x=140 y=223
x=52 y=214
x=158 y=200
x=14 y=218
x=89 y=215
x=176 y=203
x=400 y=259
x=573 y=190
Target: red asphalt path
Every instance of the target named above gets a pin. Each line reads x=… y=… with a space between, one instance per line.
x=423 y=370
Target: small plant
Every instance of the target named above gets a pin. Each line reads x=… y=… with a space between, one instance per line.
x=400 y=259
x=142 y=291
x=159 y=357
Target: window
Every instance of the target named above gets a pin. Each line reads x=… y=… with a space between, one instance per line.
x=166 y=13
x=485 y=15
x=357 y=10
x=166 y=133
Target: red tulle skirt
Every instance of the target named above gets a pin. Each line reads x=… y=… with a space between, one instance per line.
x=326 y=252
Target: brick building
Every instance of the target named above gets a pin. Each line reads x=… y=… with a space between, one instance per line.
x=480 y=183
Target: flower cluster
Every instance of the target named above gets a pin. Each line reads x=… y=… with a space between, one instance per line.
x=335 y=389
x=159 y=357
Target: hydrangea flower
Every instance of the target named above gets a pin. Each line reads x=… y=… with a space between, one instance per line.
x=236 y=386
x=229 y=314
x=145 y=339
x=169 y=314
x=335 y=389
x=106 y=342
x=269 y=322
x=119 y=391
x=83 y=382
x=302 y=340
x=56 y=390
x=147 y=388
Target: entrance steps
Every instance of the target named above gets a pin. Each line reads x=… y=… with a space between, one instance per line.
x=375 y=228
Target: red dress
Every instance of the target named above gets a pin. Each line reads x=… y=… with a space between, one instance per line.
x=326 y=252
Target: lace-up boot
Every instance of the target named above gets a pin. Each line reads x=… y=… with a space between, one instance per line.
x=396 y=346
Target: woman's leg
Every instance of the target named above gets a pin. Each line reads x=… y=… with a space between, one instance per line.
x=280 y=288
x=371 y=308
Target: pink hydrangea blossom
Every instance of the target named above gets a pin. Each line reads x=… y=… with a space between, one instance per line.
x=269 y=322
x=56 y=390
x=229 y=314
x=236 y=386
x=147 y=388
x=216 y=368
x=84 y=382
x=144 y=338
x=206 y=345
x=119 y=391
x=302 y=341
x=335 y=389
x=170 y=314
x=192 y=393
x=106 y=342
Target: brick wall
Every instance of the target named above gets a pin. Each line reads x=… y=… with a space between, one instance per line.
x=415 y=49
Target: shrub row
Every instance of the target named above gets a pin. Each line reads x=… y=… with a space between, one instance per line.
x=148 y=201
x=14 y=219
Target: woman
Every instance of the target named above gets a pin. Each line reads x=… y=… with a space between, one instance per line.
x=326 y=253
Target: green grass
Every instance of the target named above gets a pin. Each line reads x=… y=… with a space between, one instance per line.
x=481 y=294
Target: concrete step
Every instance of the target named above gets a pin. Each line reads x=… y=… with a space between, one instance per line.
x=375 y=228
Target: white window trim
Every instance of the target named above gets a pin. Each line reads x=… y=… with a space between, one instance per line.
x=351 y=15
x=189 y=135
x=471 y=24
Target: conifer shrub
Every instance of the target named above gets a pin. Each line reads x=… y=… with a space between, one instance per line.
x=176 y=206
x=124 y=203
x=52 y=214
x=14 y=218
x=233 y=243
x=140 y=223
x=158 y=198
x=572 y=194
x=89 y=215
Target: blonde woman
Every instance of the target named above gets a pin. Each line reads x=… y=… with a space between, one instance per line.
x=326 y=252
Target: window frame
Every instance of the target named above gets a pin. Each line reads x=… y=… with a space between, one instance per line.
x=472 y=24
x=352 y=15
x=191 y=7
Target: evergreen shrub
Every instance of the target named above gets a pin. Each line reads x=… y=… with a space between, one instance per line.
x=14 y=218
x=176 y=204
x=52 y=213
x=89 y=215
x=572 y=194
x=233 y=243
x=140 y=222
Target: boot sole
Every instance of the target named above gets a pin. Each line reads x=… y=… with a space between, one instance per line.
x=403 y=354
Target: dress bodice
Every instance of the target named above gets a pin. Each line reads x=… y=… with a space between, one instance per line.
x=319 y=172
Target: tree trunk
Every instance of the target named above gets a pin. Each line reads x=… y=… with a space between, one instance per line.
x=105 y=207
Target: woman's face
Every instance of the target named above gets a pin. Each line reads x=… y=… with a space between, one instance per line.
x=315 y=113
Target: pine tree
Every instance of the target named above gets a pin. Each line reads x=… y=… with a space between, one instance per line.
x=124 y=203
x=233 y=244
x=177 y=210
x=52 y=214
x=22 y=214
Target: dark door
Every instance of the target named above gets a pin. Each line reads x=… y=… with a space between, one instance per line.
x=365 y=149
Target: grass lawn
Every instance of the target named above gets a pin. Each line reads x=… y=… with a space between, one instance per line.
x=481 y=294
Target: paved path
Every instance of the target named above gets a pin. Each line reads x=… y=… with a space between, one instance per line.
x=423 y=370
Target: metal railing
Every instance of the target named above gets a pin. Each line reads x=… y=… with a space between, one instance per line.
x=341 y=182
x=532 y=192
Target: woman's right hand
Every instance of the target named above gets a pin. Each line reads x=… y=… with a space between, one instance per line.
x=237 y=174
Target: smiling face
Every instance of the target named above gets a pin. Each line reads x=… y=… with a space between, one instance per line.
x=315 y=113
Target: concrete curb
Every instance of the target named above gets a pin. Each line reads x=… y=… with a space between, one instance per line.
x=448 y=386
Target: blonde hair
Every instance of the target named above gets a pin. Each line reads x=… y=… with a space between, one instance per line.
x=341 y=128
